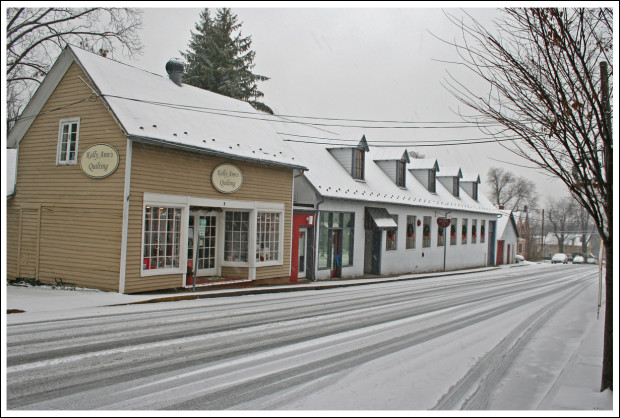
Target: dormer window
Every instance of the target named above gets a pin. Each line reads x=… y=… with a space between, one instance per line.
x=359 y=159
x=393 y=162
x=470 y=184
x=431 y=181
x=400 y=173
x=425 y=170
x=353 y=160
x=451 y=177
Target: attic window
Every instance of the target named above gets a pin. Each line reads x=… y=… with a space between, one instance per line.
x=431 y=181
x=68 y=138
x=357 y=171
x=400 y=173
x=474 y=191
x=455 y=187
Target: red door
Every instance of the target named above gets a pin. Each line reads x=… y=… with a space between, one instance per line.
x=500 y=252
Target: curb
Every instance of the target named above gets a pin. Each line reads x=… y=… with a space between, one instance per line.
x=297 y=288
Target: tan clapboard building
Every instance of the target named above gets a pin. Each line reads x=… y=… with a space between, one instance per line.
x=130 y=181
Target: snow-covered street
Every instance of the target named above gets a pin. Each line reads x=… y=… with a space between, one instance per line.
x=495 y=340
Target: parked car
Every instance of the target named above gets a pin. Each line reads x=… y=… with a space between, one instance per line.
x=578 y=259
x=559 y=258
x=591 y=260
x=519 y=258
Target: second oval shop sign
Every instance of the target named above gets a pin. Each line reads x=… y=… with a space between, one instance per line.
x=227 y=178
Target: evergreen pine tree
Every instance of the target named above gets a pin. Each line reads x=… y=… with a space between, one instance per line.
x=219 y=59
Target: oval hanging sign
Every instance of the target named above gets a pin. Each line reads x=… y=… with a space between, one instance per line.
x=227 y=178
x=99 y=161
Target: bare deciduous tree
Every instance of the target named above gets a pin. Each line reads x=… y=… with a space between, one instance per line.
x=35 y=37
x=547 y=78
x=511 y=191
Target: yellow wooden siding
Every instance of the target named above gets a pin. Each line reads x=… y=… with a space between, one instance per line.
x=81 y=217
x=162 y=170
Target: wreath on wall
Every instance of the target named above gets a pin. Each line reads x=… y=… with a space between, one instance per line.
x=482 y=231
x=427 y=230
x=453 y=230
x=441 y=231
x=464 y=230
x=410 y=230
x=473 y=231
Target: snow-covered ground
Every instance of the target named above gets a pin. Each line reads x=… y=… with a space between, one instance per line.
x=575 y=351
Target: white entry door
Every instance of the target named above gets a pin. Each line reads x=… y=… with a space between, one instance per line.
x=205 y=239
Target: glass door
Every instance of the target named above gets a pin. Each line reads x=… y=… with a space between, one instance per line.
x=301 y=264
x=205 y=241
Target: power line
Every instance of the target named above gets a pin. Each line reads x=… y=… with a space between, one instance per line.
x=232 y=113
x=395 y=142
x=404 y=144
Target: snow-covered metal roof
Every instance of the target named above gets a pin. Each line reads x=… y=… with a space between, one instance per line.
x=423 y=164
x=450 y=172
x=153 y=108
x=331 y=180
x=389 y=154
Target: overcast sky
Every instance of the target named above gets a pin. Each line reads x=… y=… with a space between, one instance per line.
x=354 y=63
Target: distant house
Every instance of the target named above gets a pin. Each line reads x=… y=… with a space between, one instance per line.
x=507 y=238
x=129 y=181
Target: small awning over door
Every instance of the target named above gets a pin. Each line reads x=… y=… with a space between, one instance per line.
x=379 y=218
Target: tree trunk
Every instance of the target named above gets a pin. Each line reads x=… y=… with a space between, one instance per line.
x=607 y=381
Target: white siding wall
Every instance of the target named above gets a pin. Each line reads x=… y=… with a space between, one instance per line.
x=389 y=168
x=418 y=259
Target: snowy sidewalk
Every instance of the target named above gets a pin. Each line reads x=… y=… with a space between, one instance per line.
x=582 y=373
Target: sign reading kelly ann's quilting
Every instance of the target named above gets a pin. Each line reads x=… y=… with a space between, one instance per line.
x=227 y=178
x=99 y=161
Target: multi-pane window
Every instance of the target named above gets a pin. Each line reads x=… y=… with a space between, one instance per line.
x=411 y=220
x=464 y=232
x=358 y=163
x=400 y=173
x=431 y=181
x=391 y=236
x=426 y=232
x=68 y=141
x=483 y=231
x=267 y=236
x=162 y=238
x=336 y=239
x=455 y=186
x=236 y=230
x=453 y=222
x=441 y=236
x=474 y=231
x=348 y=224
x=474 y=193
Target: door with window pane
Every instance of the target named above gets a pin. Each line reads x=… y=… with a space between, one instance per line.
x=203 y=249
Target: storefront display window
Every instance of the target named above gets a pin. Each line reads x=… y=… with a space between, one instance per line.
x=453 y=222
x=391 y=235
x=162 y=238
x=336 y=240
x=236 y=236
x=426 y=231
x=268 y=236
x=411 y=220
x=464 y=232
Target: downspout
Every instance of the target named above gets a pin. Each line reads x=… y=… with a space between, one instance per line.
x=315 y=238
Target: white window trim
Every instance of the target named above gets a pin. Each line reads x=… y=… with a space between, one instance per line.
x=61 y=123
x=251 y=233
x=183 y=245
x=280 y=260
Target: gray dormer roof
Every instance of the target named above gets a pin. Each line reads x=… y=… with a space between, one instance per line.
x=424 y=164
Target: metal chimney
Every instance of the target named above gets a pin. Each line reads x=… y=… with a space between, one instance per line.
x=175 y=68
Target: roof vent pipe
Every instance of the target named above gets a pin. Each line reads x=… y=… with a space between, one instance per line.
x=175 y=69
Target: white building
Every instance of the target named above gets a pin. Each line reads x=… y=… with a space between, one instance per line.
x=377 y=211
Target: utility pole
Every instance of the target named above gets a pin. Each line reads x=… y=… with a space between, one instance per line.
x=542 y=235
